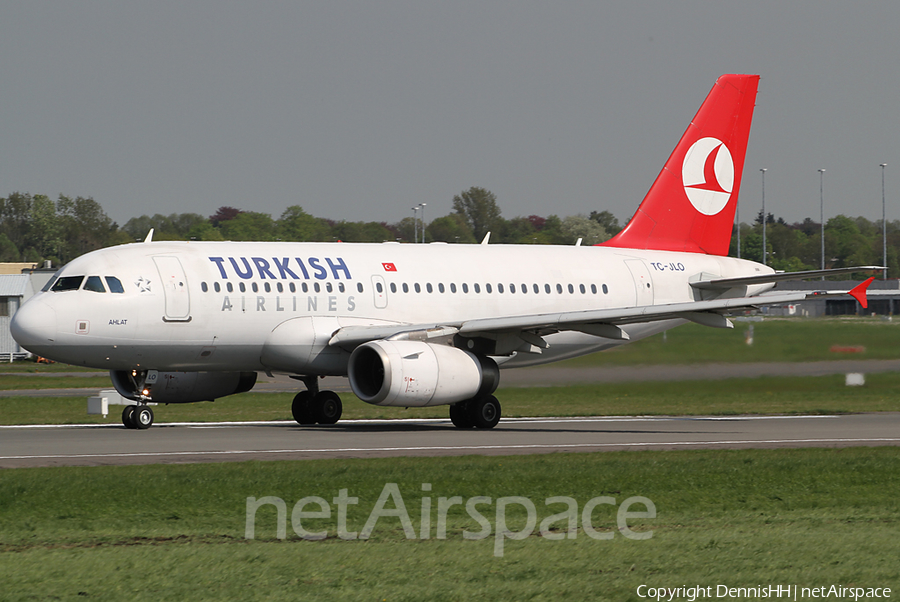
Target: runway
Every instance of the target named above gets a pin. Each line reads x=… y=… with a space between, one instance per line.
x=93 y=445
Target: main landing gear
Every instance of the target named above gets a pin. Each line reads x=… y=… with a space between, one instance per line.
x=314 y=406
x=481 y=412
x=137 y=417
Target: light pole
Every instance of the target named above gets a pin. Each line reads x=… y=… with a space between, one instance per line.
x=883 y=226
x=763 y=171
x=415 y=211
x=822 y=214
x=422 y=205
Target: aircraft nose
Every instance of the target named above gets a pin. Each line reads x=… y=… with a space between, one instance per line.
x=33 y=326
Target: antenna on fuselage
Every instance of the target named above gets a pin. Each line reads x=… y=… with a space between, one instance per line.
x=578 y=242
x=487 y=237
x=149 y=236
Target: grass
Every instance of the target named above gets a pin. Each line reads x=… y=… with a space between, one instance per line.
x=774 y=340
x=767 y=395
x=11 y=382
x=808 y=517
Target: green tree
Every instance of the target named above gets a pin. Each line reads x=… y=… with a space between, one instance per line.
x=449 y=228
x=297 y=225
x=8 y=251
x=478 y=207
x=606 y=219
x=248 y=225
x=581 y=226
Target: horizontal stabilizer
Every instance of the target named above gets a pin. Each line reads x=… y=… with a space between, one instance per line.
x=725 y=283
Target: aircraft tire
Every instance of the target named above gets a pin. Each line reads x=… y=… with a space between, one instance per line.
x=142 y=417
x=302 y=408
x=128 y=417
x=484 y=412
x=327 y=407
x=459 y=416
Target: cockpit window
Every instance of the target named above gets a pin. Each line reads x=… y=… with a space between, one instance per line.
x=68 y=283
x=114 y=284
x=52 y=281
x=94 y=284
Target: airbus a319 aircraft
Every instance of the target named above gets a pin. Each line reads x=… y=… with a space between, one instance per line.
x=410 y=325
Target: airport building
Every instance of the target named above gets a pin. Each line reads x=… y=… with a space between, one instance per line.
x=18 y=282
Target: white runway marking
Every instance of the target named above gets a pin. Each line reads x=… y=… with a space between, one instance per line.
x=447 y=448
x=536 y=420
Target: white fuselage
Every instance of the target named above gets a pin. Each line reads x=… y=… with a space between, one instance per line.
x=213 y=306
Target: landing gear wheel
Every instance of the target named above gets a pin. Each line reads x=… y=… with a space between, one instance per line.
x=328 y=407
x=302 y=408
x=128 y=417
x=142 y=417
x=459 y=416
x=484 y=412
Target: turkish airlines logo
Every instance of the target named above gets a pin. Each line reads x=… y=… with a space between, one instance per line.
x=708 y=175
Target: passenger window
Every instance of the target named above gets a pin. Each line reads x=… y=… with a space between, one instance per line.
x=268 y=287
x=465 y=288
x=359 y=287
x=594 y=289
x=217 y=287
x=605 y=290
x=405 y=288
x=255 y=287
x=441 y=287
x=393 y=287
x=94 y=284
x=559 y=288
x=524 y=289
x=341 y=287
x=417 y=287
x=114 y=285
x=318 y=288
x=68 y=283
x=581 y=288
x=547 y=288
x=242 y=287
x=512 y=288
x=452 y=287
x=378 y=287
x=305 y=287
x=571 y=289
x=536 y=288
x=429 y=288
x=230 y=287
x=280 y=287
x=499 y=288
x=477 y=287
x=487 y=287
x=203 y=287
x=329 y=288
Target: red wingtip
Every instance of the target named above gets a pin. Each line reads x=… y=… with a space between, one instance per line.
x=859 y=292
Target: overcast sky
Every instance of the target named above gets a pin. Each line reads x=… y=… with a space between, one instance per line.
x=360 y=110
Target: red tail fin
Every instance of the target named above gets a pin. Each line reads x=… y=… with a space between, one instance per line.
x=691 y=205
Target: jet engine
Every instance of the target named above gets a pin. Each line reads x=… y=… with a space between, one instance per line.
x=414 y=374
x=180 y=387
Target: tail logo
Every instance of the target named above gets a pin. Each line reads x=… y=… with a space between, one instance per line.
x=708 y=175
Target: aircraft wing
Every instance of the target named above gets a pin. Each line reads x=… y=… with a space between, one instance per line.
x=600 y=322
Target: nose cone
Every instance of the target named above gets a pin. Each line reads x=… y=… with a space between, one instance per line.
x=34 y=326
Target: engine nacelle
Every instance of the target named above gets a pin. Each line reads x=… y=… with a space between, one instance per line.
x=180 y=387
x=416 y=374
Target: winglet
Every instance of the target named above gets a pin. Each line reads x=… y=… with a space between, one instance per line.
x=859 y=292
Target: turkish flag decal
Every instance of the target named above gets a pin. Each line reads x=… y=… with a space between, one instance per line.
x=389 y=267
